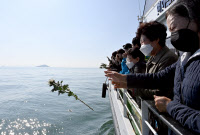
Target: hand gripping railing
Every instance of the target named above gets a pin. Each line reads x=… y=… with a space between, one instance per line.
x=147 y=105
x=172 y=124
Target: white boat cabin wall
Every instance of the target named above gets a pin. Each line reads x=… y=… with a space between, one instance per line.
x=156 y=10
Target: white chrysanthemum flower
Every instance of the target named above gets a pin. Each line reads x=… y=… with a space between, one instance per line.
x=51 y=82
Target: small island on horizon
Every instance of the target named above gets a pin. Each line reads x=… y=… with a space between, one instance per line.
x=42 y=66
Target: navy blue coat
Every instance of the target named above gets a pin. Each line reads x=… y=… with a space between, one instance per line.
x=185 y=106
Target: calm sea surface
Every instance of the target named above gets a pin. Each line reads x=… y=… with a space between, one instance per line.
x=27 y=107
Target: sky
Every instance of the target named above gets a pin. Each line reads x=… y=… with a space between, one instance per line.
x=65 y=33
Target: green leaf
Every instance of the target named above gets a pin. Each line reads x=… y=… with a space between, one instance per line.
x=64 y=89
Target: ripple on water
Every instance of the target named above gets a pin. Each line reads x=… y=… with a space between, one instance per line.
x=24 y=126
x=29 y=108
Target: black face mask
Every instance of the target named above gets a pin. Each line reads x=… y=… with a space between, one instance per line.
x=185 y=40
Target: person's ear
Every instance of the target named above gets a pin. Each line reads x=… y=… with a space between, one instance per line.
x=157 y=41
x=138 y=59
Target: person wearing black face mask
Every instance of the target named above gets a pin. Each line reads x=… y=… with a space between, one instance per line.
x=185 y=40
x=183 y=20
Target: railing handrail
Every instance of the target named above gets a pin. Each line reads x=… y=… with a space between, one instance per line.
x=127 y=110
x=176 y=127
x=146 y=106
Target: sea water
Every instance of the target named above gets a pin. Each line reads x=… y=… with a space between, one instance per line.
x=28 y=107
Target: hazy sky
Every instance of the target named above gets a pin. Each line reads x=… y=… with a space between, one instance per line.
x=64 y=33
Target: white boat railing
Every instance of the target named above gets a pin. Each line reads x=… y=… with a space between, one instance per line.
x=139 y=118
x=127 y=112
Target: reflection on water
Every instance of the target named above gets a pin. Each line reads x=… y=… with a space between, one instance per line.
x=27 y=107
x=21 y=126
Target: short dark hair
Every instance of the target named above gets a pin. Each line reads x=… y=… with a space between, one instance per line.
x=135 y=52
x=114 y=53
x=180 y=10
x=186 y=8
x=153 y=30
x=121 y=51
x=136 y=41
x=127 y=46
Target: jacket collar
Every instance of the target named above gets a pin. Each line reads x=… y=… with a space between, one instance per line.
x=155 y=59
x=196 y=54
x=187 y=57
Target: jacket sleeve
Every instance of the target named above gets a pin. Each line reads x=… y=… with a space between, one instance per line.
x=161 y=79
x=187 y=116
x=167 y=62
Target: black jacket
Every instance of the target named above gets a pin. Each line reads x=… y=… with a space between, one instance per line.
x=139 y=67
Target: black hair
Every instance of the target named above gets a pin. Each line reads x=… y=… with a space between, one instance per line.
x=153 y=30
x=114 y=53
x=135 y=52
x=136 y=41
x=121 y=51
x=127 y=46
x=186 y=8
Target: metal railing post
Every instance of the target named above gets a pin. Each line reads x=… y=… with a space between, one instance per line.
x=109 y=84
x=118 y=94
x=145 y=112
x=125 y=102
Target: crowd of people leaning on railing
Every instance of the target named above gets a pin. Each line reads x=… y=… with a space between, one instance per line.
x=150 y=70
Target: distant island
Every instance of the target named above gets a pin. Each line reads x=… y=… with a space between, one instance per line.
x=43 y=66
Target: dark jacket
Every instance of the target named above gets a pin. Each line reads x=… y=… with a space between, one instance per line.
x=163 y=59
x=185 y=106
x=115 y=66
x=139 y=67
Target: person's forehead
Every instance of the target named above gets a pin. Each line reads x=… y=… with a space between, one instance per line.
x=129 y=56
x=143 y=38
x=176 y=19
x=171 y=17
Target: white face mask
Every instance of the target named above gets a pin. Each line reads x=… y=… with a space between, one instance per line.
x=146 y=49
x=129 y=64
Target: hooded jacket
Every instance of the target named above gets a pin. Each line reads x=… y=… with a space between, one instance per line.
x=123 y=67
x=184 y=75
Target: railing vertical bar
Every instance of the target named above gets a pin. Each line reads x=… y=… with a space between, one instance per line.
x=150 y=127
x=118 y=94
x=125 y=102
x=131 y=116
x=145 y=112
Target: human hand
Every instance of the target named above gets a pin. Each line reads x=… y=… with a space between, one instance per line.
x=108 y=69
x=119 y=85
x=116 y=77
x=161 y=103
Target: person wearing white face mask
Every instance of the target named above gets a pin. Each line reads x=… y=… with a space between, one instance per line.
x=124 y=55
x=136 y=64
x=135 y=61
x=183 y=21
x=152 y=38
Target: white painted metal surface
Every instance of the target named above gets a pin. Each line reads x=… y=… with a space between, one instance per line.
x=122 y=124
